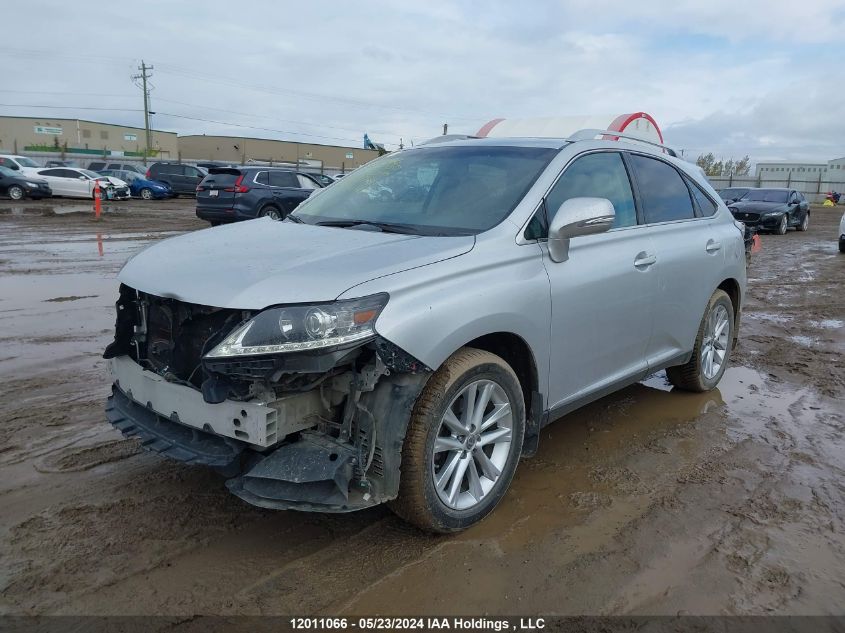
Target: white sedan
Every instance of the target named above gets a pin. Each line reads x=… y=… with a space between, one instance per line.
x=79 y=183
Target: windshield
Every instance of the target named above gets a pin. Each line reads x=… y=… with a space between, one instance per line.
x=766 y=195
x=433 y=190
x=5 y=171
x=733 y=193
x=26 y=162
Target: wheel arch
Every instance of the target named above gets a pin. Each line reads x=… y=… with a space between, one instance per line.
x=516 y=352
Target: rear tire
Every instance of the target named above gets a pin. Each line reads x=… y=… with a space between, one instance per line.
x=715 y=337
x=805 y=223
x=272 y=212
x=16 y=192
x=456 y=465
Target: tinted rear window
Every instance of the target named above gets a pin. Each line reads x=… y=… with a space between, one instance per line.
x=664 y=193
x=283 y=179
x=705 y=205
x=221 y=178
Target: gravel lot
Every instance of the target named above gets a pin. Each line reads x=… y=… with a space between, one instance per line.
x=649 y=501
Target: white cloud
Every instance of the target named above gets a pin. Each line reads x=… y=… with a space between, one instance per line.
x=721 y=74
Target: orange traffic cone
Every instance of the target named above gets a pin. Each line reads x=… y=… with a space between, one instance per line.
x=97 y=197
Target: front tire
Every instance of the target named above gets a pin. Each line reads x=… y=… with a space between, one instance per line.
x=463 y=443
x=784 y=224
x=712 y=350
x=805 y=223
x=16 y=192
x=146 y=193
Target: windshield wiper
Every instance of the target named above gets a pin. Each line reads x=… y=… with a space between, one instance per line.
x=293 y=218
x=385 y=227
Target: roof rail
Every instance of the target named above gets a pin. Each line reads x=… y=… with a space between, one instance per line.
x=590 y=134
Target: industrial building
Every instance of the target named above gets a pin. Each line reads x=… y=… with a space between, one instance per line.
x=332 y=158
x=831 y=171
x=40 y=136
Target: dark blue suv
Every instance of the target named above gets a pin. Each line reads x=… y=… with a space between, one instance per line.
x=230 y=194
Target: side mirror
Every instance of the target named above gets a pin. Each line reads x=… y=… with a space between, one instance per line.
x=576 y=217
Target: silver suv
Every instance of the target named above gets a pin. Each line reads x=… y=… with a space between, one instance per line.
x=404 y=335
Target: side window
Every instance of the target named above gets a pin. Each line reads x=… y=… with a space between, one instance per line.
x=113 y=166
x=192 y=172
x=55 y=173
x=598 y=175
x=283 y=179
x=262 y=178
x=664 y=194
x=5 y=162
x=705 y=204
x=305 y=182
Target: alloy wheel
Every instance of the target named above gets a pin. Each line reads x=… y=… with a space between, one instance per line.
x=146 y=194
x=473 y=444
x=15 y=193
x=714 y=347
x=783 y=225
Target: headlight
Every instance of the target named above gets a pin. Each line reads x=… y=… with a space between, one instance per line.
x=34 y=185
x=303 y=327
x=771 y=214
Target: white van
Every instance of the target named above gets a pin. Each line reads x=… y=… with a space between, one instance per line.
x=22 y=164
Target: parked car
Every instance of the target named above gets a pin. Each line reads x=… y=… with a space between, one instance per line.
x=842 y=234
x=229 y=194
x=409 y=350
x=113 y=188
x=139 y=186
x=323 y=179
x=732 y=194
x=22 y=164
x=19 y=186
x=773 y=210
x=74 y=183
x=99 y=166
x=182 y=179
x=60 y=163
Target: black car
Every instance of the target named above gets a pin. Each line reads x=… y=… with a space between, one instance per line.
x=734 y=194
x=18 y=186
x=183 y=179
x=773 y=210
x=229 y=194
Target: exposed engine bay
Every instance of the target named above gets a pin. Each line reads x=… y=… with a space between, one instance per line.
x=317 y=429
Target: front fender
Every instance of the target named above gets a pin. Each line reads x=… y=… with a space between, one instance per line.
x=437 y=309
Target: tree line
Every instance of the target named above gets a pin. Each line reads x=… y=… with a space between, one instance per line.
x=730 y=167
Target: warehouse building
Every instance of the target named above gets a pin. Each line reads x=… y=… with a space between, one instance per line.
x=234 y=149
x=39 y=136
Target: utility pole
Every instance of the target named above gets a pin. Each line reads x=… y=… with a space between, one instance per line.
x=145 y=74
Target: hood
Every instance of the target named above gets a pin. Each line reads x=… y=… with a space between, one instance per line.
x=258 y=263
x=117 y=182
x=758 y=207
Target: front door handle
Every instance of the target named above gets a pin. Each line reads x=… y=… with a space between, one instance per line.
x=712 y=246
x=644 y=260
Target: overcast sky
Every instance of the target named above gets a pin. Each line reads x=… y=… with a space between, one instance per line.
x=763 y=77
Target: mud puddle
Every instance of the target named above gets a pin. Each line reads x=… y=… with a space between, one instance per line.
x=648 y=501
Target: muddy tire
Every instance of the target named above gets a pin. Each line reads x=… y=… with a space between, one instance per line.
x=449 y=441
x=16 y=192
x=713 y=345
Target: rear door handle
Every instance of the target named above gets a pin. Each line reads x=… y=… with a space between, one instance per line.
x=644 y=260
x=712 y=246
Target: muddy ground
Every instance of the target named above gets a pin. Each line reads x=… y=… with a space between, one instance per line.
x=650 y=501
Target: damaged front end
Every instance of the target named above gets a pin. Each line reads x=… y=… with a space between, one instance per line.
x=302 y=407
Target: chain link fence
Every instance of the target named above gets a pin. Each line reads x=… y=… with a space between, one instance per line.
x=814 y=190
